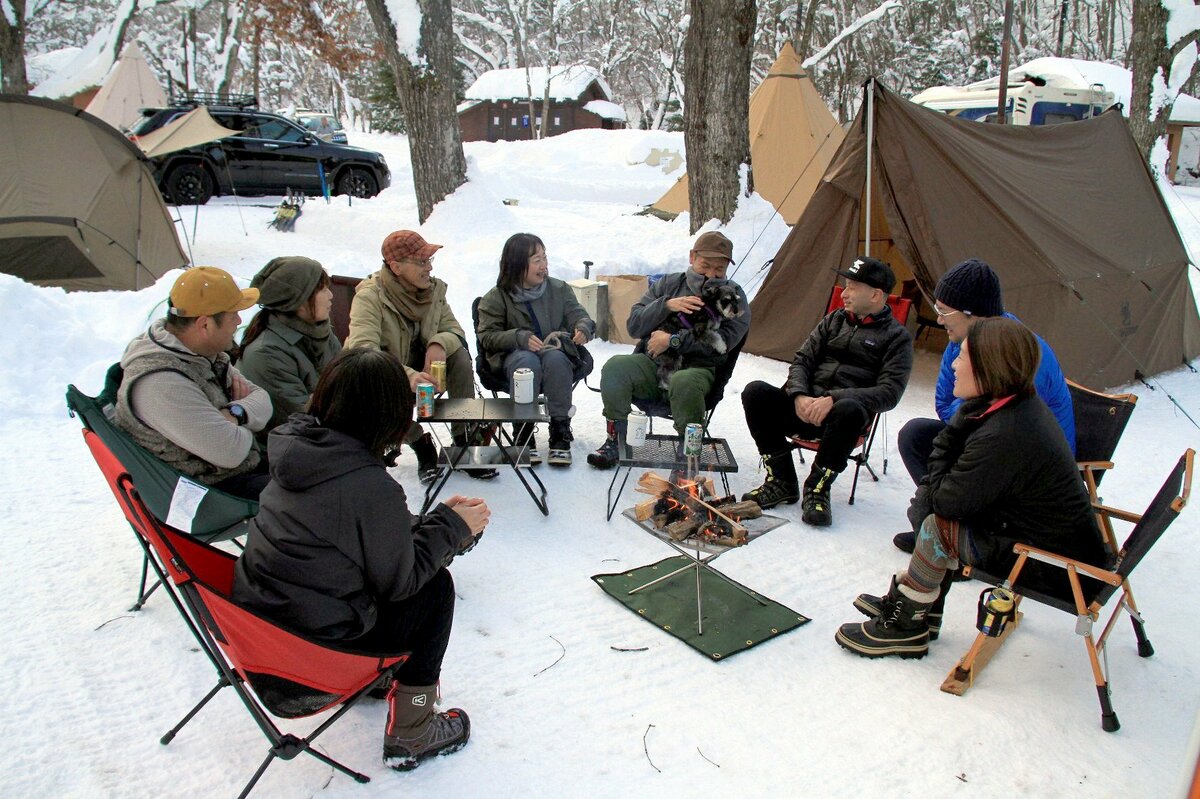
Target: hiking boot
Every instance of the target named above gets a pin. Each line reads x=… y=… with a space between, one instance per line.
x=608 y=454
x=781 y=486
x=427 y=458
x=900 y=629
x=906 y=541
x=873 y=606
x=415 y=732
x=460 y=440
x=817 y=509
x=523 y=436
x=560 y=441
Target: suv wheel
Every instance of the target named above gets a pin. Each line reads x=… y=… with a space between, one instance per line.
x=189 y=184
x=357 y=183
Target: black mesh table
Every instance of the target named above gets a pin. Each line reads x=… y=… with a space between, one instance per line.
x=663 y=452
x=478 y=415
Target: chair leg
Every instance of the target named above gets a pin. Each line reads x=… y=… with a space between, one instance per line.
x=1145 y=648
x=1108 y=719
x=167 y=738
x=143 y=594
x=612 y=501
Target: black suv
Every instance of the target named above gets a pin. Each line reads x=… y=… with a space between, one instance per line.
x=271 y=155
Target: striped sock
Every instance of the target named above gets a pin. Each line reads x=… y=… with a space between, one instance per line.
x=936 y=552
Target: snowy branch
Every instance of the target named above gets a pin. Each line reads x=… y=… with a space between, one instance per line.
x=866 y=19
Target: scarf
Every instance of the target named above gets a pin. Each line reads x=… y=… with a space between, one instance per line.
x=522 y=294
x=412 y=305
x=315 y=335
x=694 y=281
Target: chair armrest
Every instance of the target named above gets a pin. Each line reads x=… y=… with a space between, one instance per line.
x=1103 y=575
x=1117 y=513
x=1097 y=465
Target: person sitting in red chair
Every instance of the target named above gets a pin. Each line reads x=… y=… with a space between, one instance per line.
x=854 y=364
x=335 y=553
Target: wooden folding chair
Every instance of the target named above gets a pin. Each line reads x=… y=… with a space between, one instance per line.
x=1088 y=597
x=861 y=454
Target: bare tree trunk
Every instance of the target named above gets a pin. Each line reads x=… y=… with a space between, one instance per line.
x=427 y=98
x=717 y=56
x=804 y=34
x=12 y=50
x=233 y=15
x=1150 y=59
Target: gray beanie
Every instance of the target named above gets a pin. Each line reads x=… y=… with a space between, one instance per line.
x=286 y=283
x=971 y=287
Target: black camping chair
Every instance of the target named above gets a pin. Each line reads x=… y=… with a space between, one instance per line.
x=218 y=517
x=1100 y=420
x=661 y=451
x=1087 y=597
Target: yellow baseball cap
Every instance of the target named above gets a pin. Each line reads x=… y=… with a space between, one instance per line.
x=207 y=291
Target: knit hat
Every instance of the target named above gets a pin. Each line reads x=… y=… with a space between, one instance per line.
x=208 y=291
x=971 y=287
x=286 y=283
x=873 y=272
x=401 y=244
x=713 y=245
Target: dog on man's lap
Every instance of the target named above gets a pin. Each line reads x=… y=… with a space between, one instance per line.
x=722 y=302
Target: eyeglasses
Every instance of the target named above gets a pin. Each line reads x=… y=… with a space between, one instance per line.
x=946 y=314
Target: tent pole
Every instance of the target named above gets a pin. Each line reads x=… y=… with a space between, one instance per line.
x=870 y=143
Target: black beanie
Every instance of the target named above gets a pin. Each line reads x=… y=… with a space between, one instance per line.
x=286 y=283
x=971 y=287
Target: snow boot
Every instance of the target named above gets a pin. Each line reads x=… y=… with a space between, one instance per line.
x=873 y=606
x=607 y=455
x=906 y=541
x=781 y=486
x=560 y=441
x=524 y=436
x=427 y=458
x=900 y=629
x=817 y=510
x=415 y=732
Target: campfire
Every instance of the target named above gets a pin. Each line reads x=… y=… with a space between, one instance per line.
x=690 y=509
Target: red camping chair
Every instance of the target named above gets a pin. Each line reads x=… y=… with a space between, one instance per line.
x=273 y=671
x=862 y=449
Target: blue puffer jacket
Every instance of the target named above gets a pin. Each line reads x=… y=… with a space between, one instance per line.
x=1050 y=384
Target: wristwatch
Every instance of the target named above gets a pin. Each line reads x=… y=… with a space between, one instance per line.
x=238 y=413
x=676 y=340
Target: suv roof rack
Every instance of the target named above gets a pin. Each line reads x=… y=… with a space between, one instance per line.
x=196 y=98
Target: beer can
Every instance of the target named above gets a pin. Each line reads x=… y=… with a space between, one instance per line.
x=635 y=428
x=437 y=370
x=693 y=440
x=424 y=400
x=523 y=386
x=997 y=608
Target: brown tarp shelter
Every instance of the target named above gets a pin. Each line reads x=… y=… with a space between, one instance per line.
x=194 y=128
x=1068 y=216
x=79 y=208
x=792 y=139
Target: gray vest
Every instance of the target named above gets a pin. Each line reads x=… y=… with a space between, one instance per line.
x=199 y=372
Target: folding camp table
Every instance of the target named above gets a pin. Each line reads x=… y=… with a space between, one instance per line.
x=478 y=415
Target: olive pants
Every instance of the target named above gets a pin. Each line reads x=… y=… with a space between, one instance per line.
x=626 y=377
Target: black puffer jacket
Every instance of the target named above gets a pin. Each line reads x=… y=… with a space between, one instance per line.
x=868 y=359
x=1005 y=470
x=333 y=537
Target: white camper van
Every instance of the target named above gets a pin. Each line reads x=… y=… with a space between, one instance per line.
x=1030 y=101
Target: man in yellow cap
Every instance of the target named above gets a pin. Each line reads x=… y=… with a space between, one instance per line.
x=402 y=309
x=182 y=400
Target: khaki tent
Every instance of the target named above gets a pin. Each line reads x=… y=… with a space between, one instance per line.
x=1068 y=216
x=78 y=205
x=129 y=87
x=792 y=138
x=187 y=130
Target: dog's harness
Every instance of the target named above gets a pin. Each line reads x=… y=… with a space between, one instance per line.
x=683 y=320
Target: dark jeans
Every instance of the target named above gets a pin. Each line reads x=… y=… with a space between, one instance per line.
x=248 y=485
x=771 y=417
x=553 y=373
x=419 y=624
x=915 y=443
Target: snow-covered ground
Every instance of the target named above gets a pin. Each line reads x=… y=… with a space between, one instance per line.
x=93 y=686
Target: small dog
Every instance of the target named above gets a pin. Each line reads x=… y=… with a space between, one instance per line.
x=721 y=302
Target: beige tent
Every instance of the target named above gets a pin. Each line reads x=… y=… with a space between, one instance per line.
x=129 y=87
x=79 y=208
x=792 y=139
x=188 y=130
